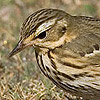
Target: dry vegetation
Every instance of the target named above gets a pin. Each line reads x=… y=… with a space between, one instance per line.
x=20 y=78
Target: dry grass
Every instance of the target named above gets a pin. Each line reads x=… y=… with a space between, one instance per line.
x=20 y=78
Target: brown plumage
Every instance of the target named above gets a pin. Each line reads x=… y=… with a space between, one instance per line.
x=67 y=50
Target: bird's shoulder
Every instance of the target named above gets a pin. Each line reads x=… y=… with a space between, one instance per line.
x=84 y=43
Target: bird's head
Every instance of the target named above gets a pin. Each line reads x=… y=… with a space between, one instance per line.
x=46 y=28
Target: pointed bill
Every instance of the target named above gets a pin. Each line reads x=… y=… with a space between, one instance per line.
x=19 y=47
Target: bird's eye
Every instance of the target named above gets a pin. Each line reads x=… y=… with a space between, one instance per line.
x=42 y=35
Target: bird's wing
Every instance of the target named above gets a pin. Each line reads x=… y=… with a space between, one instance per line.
x=86 y=46
x=79 y=63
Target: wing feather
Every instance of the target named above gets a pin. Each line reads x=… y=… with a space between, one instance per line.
x=86 y=46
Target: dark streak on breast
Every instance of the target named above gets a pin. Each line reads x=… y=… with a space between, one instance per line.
x=66 y=76
x=42 y=62
x=53 y=64
x=48 y=69
x=80 y=74
x=58 y=78
x=37 y=58
x=51 y=60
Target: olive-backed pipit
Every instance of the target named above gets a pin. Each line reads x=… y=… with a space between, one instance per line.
x=67 y=50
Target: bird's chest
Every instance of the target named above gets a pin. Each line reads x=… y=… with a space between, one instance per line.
x=68 y=76
x=44 y=63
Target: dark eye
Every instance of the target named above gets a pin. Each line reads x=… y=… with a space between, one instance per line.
x=42 y=35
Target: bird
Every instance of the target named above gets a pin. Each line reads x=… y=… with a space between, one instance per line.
x=67 y=49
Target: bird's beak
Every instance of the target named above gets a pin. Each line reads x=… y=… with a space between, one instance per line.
x=19 y=47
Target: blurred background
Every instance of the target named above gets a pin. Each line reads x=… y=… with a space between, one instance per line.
x=20 y=77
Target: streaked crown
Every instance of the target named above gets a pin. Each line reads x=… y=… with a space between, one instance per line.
x=39 y=17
